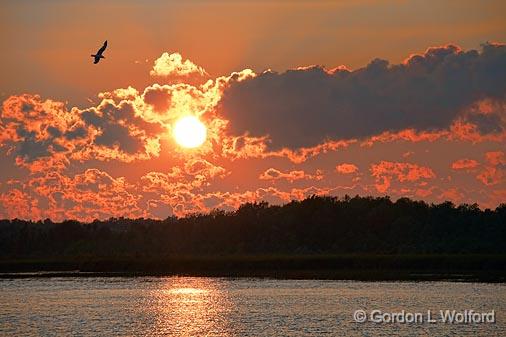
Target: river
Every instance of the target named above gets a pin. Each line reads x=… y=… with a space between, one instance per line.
x=193 y=306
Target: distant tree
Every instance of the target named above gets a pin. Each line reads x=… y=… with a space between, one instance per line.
x=315 y=225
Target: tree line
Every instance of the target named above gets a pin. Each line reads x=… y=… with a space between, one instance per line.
x=316 y=225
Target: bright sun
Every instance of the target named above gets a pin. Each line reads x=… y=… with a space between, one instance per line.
x=189 y=132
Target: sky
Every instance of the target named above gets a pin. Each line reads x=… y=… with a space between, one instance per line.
x=368 y=97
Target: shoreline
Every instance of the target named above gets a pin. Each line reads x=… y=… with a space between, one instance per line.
x=365 y=276
x=455 y=268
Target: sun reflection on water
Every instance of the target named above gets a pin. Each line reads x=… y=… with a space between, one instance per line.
x=191 y=307
x=188 y=291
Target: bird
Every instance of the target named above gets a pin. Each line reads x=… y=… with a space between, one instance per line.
x=99 y=55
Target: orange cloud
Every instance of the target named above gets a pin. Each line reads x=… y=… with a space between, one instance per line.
x=453 y=194
x=291 y=176
x=232 y=200
x=17 y=204
x=39 y=132
x=494 y=172
x=173 y=65
x=465 y=164
x=409 y=135
x=495 y=158
x=385 y=171
x=459 y=130
x=93 y=194
x=257 y=147
x=194 y=173
x=202 y=171
x=346 y=168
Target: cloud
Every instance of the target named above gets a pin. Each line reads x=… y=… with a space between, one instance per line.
x=180 y=188
x=465 y=164
x=18 y=204
x=491 y=173
x=346 y=168
x=202 y=170
x=159 y=98
x=256 y=147
x=175 y=100
x=42 y=132
x=454 y=194
x=34 y=129
x=488 y=115
x=291 y=176
x=118 y=132
x=125 y=126
x=307 y=106
x=173 y=65
x=494 y=171
x=386 y=171
x=92 y=194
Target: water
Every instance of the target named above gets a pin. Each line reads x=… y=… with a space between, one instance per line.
x=183 y=306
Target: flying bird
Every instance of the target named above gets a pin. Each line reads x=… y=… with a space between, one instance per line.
x=99 y=55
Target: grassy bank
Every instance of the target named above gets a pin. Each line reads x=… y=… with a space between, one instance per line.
x=486 y=268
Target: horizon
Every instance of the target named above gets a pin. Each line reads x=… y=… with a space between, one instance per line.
x=345 y=198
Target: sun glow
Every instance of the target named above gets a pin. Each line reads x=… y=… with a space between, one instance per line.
x=189 y=132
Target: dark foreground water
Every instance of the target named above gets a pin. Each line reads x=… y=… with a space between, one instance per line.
x=182 y=306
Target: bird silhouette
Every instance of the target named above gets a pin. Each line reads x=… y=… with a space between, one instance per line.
x=99 y=55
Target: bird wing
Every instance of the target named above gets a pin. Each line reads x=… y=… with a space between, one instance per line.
x=101 y=50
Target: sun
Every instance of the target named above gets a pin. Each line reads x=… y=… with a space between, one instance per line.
x=189 y=132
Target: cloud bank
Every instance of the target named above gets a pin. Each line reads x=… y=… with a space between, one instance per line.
x=306 y=106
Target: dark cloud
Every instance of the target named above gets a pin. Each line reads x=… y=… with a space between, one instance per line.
x=119 y=135
x=487 y=123
x=488 y=115
x=33 y=129
x=306 y=106
x=115 y=123
x=27 y=107
x=76 y=133
x=54 y=131
x=30 y=148
x=158 y=97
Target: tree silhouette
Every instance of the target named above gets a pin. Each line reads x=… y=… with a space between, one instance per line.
x=316 y=225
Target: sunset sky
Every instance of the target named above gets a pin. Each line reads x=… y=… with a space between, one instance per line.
x=368 y=97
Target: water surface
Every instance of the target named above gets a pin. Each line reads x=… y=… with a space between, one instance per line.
x=187 y=306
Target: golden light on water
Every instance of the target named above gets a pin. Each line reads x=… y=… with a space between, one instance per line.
x=188 y=307
x=188 y=291
x=189 y=132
